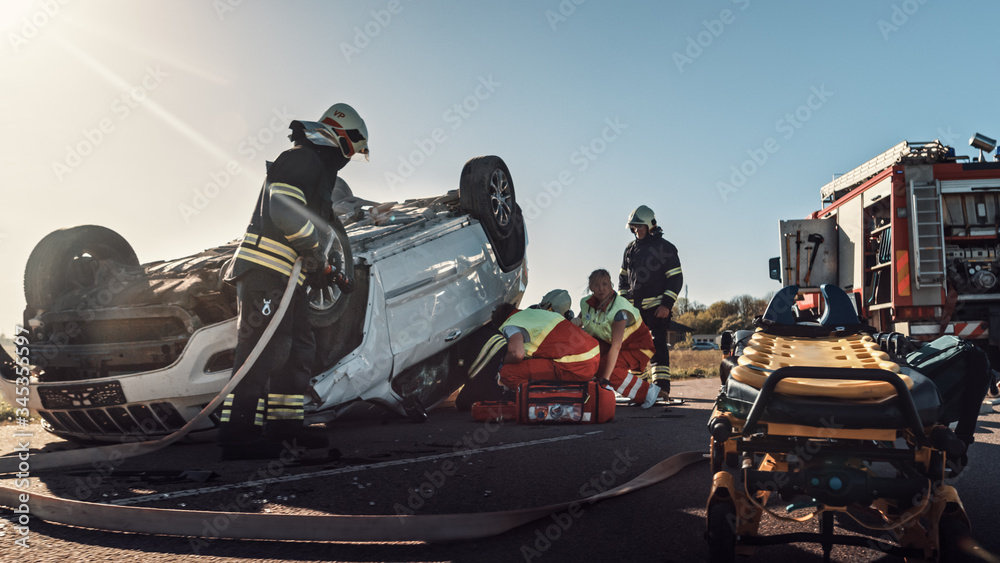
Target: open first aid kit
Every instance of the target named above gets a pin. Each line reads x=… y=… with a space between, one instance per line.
x=585 y=402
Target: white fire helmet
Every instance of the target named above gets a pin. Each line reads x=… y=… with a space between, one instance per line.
x=342 y=127
x=642 y=216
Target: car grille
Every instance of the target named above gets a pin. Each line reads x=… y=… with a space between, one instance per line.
x=104 y=394
x=129 y=330
x=137 y=419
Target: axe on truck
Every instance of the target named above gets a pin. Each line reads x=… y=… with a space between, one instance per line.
x=816 y=239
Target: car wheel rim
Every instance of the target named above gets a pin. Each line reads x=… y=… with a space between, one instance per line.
x=500 y=197
x=323 y=299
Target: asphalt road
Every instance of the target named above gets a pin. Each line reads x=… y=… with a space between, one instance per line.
x=448 y=465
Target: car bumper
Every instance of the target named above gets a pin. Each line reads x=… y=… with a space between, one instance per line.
x=138 y=405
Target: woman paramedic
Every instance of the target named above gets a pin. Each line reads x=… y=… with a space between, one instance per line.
x=626 y=343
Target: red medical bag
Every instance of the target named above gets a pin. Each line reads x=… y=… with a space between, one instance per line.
x=581 y=402
x=494 y=410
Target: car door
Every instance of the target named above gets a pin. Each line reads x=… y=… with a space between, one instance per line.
x=438 y=291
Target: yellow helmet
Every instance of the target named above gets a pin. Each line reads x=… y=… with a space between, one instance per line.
x=642 y=215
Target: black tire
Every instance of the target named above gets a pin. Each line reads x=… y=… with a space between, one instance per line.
x=69 y=259
x=327 y=305
x=955 y=540
x=486 y=192
x=721 y=534
x=717 y=456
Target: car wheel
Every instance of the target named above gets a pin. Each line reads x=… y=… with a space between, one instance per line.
x=327 y=304
x=486 y=192
x=71 y=259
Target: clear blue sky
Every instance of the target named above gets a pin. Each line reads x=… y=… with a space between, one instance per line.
x=596 y=106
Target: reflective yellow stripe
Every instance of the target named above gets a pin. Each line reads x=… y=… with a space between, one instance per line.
x=670 y=294
x=306 y=231
x=285 y=414
x=276 y=247
x=674 y=272
x=651 y=302
x=266 y=260
x=593 y=352
x=286 y=400
x=493 y=345
x=287 y=189
x=251 y=238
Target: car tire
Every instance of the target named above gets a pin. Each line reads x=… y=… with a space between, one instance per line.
x=68 y=259
x=327 y=305
x=486 y=192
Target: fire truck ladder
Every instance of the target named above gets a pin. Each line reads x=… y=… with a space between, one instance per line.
x=928 y=235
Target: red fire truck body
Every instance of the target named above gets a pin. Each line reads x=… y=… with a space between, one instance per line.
x=915 y=234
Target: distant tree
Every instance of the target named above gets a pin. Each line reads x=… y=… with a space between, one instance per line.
x=722 y=309
x=748 y=306
x=683 y=305
x=736 y=314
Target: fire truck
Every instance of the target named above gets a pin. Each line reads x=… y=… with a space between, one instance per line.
x=914 y=235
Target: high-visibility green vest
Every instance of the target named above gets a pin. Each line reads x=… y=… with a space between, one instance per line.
x=598 y=323
x=537 y=322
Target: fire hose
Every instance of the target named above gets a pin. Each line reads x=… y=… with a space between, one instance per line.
x=335 y=527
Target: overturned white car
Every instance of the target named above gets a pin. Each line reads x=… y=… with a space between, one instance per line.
x=121 y=348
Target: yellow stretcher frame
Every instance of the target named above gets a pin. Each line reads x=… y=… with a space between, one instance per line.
x=766 y=353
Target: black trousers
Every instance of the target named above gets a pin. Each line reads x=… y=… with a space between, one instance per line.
x=659 y=364
x=282 y=370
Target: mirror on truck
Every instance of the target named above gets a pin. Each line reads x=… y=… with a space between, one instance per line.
x=774 y=267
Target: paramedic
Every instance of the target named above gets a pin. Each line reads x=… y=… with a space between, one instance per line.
x=265 y=413
x=542 y=343
x=650 y=279
x=626 y=343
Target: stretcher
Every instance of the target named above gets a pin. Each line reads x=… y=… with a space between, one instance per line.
x=817 y=426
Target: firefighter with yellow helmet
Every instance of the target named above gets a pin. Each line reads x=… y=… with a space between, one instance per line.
x=651 y=279
x=265 y=413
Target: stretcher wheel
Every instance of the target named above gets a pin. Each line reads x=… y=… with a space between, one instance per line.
x=721 y=533
x=717 y=452
x=722 y=460
x=955 y=540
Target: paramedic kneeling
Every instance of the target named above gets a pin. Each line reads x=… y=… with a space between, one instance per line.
x=543 y=345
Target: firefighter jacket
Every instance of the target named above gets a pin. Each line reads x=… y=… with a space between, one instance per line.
x=599 y=323
x=295 y=197
x=651 y=272
x=549 y=335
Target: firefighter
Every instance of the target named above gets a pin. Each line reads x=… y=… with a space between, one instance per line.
x=544 y=344
x=650 y=279
x=626 y=343
x=265 y=413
